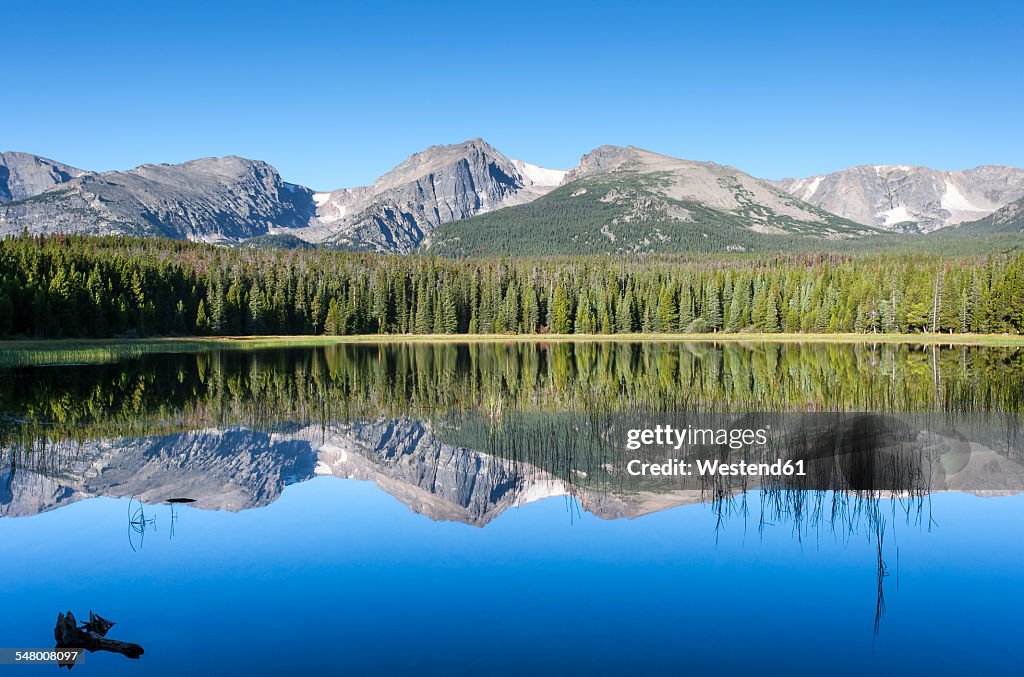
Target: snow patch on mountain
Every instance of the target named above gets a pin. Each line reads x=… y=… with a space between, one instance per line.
x=809 y=189
x=962 y=208
x=891 y=217
x=540 y=176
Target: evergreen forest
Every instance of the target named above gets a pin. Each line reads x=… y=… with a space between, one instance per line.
x=74 y=286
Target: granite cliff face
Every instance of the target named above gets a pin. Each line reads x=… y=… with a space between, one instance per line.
x=438 y=185
x=906 y=198
x=211 y=199
x=23 y=175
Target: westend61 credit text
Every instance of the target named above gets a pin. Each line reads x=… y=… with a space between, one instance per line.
x=676 y=438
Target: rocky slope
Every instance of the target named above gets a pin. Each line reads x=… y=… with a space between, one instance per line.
x=23 y=175
x=211 y=199
x=718 y=187
x=910 y=198
x=1006 y=220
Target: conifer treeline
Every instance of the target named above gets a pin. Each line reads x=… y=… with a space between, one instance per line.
x=60 y=286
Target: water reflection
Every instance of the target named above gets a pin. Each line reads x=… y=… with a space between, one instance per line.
x=165 y=393
x=467 y=433
x=464 y=431
x=438 y=471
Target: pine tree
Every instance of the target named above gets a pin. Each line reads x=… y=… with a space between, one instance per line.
x=202 y=324
x=380 y=305
x=607 y=324
x=332 y=322
x=424 y=311
x=561 y=312
x=738 y=305
x=510 y=310
x=668 y=314
x=531 y=310
x=771 y=315
x=257 y=312
x=586 y=322
x=624 y=314
x=648 y=320
x=687 y=313
x=712 y=314
x=447 y=313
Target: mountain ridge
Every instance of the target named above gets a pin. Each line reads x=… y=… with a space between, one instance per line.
x=910 y=198
x=649 y=198
x=206 y=199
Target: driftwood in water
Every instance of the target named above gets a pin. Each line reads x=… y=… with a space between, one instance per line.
x=98 y=624
x=91 y=636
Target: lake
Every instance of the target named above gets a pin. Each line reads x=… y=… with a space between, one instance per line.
x=470 y=508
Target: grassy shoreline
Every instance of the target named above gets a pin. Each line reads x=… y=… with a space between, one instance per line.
x=188 y=344
x=64 y=352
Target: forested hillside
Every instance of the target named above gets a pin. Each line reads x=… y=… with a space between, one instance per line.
x=64 y=286
x=623 y=213
x=627 y=212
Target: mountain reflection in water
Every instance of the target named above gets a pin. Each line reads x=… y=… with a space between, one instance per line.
x=467 y=433
x=415 y=461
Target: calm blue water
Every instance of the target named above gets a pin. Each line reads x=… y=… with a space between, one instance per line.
x=337 y=576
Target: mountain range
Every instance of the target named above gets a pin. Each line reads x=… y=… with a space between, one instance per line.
x=469 y=198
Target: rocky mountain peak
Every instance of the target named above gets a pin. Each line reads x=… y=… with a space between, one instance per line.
x=440 y=158
x=23 y=175
x=603 y=159
x=434 y=186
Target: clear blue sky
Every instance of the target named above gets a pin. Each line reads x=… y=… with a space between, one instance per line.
x=335 y=95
